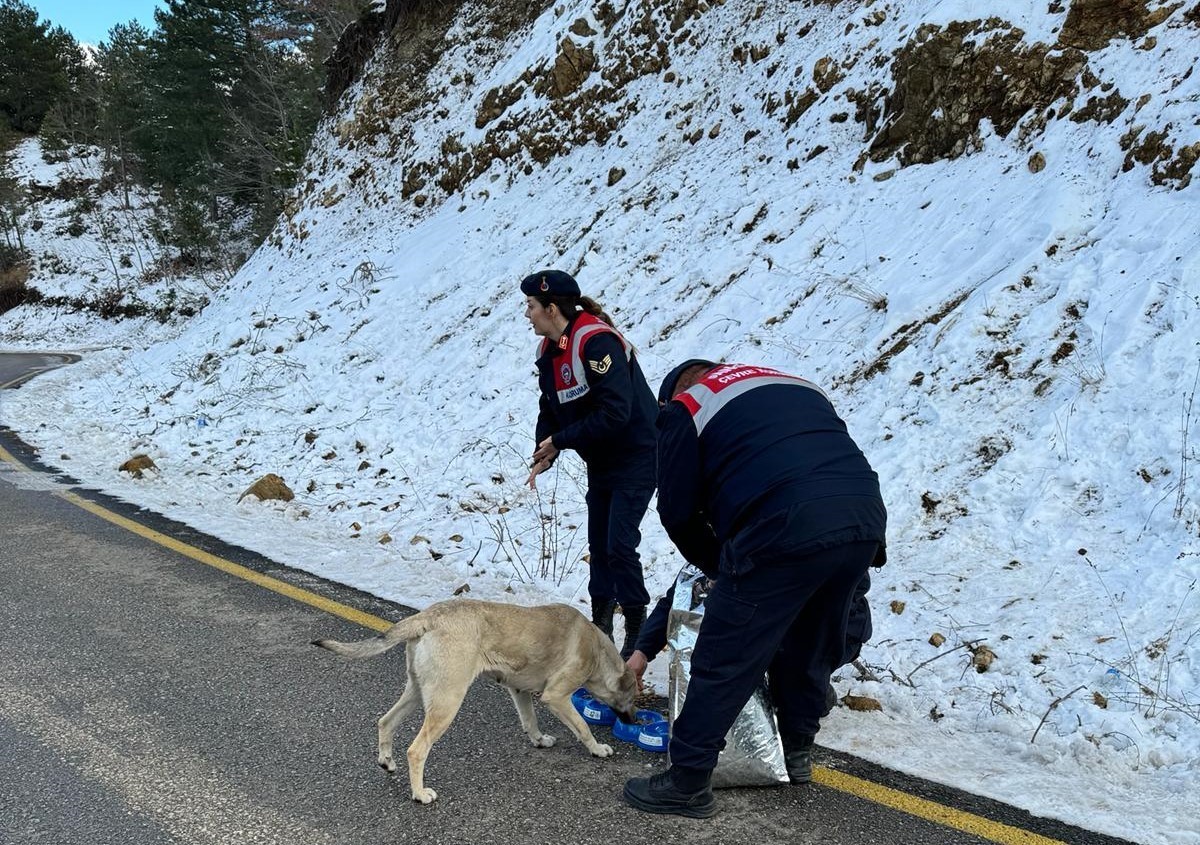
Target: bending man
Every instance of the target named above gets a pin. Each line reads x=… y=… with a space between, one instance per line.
x=762 y=488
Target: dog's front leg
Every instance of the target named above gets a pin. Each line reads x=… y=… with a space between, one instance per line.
x=560 y=706
x=523 y=701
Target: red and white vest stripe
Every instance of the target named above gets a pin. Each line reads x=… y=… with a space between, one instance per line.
x=570 y=374
x=729 y=381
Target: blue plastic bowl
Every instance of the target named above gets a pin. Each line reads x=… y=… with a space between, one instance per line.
x=629 y=733
x=654 y=736
x=594 y=712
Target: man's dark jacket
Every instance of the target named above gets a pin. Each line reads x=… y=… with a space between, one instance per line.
x=775 y=452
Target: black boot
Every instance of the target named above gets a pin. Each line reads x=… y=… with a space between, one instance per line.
x=602 y=616
x=677 y=791
x=634 y=617
x=797 y=755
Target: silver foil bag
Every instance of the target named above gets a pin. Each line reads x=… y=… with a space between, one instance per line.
x=753 y=753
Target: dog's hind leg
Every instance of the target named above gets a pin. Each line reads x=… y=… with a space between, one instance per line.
x=523 y=701
x=559 y=703
x=443 y=688
x=392 y=719
x=437 y=720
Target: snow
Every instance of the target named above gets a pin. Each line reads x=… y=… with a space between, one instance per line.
x=1015 y=352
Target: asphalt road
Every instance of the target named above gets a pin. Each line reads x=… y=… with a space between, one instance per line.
x=149 y=698
x=18 y=367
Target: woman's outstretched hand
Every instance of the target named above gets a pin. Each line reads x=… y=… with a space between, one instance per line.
x=543 y=456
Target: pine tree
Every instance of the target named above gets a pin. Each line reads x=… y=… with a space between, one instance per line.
x=33 y=74
x=73 y=118
x=124 y=74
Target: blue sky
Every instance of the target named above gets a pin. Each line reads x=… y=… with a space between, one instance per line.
x=90 y=20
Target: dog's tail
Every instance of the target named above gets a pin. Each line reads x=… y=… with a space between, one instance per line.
x=402 y=632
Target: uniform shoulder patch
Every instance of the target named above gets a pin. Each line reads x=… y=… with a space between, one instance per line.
x=601 y=366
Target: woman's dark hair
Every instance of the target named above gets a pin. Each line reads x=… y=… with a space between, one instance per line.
x=569 y=306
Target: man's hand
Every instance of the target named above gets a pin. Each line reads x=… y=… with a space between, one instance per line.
x=637 y=662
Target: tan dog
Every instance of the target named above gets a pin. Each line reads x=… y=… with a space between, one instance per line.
x=551 y=649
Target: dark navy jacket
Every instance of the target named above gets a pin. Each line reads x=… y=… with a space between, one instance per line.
x=749 y=446
x=611 y=426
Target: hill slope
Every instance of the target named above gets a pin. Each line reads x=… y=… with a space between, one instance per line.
x=974 y=222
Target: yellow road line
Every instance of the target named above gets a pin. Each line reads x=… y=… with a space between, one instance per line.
x=238 y=571
x=7 y=457
x=20 y=379
x=930 y=811
x=922 y=808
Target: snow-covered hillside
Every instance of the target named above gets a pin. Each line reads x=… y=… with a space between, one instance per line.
x=975 y=223
x=92 y=249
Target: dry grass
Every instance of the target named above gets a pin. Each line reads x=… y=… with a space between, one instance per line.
x=13 y=291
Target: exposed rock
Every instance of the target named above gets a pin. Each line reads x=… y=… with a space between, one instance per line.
x=1146 y=150
x=1037 y=163
x=982 y=658
x=826 y=74
x=861 y=703
x=1177 y=169
x=948 y=80
x=1101 y=109
x=496 y=101
x=1092 y=24
x=798 y=104
x=397 y=81
x=136 y=465
x=581 y=28
x=686 y=10
x=354 y=47
x=270 y=486
x=571 y=68
x=615 y=175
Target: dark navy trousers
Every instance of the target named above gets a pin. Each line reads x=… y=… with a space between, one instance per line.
x=787 y=617
x=614 y=532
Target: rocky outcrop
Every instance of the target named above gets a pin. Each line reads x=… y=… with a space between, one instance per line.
x=949 y=85
x=571 y=68
x=1092 y=24
x=1167 y=166
x=947 y=81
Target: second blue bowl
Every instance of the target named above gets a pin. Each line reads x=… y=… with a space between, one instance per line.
x=654 y=737
x=629 y=733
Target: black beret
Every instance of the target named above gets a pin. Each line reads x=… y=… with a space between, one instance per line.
x=667 y=391
x=550 y=283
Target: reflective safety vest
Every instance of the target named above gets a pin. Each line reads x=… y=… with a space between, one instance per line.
x=729 y=381
x=570 y=373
